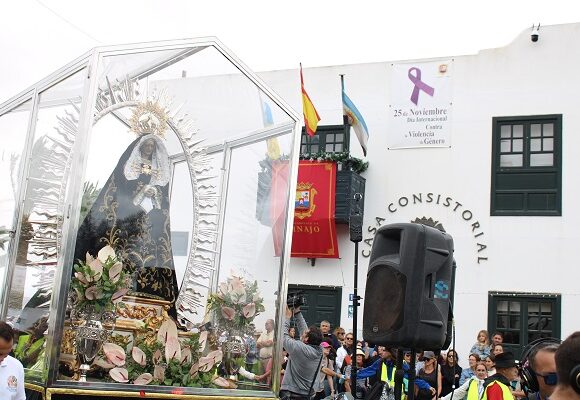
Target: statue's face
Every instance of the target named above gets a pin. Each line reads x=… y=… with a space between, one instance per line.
x=148 y=147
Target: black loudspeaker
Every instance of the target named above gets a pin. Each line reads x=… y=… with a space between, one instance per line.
x=528 y=377
x=409 y=287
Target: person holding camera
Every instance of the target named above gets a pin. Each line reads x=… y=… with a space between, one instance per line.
x=305 y=357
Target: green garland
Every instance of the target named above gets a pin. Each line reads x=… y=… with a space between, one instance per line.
x=348 y=162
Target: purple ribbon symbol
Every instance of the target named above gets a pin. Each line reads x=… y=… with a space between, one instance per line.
x=419 y=85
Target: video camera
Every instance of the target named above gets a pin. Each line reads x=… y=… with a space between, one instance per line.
x=296 y=299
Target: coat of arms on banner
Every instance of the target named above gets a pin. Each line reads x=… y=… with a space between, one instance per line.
x=304 y=203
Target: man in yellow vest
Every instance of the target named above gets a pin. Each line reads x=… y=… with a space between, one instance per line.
x=497 y=387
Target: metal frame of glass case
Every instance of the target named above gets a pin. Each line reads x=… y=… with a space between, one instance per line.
x=93 y=67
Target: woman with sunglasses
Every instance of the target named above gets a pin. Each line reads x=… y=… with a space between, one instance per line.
x=431 y=374
x=451 y=372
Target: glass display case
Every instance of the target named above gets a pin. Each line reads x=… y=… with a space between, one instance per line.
x=144 y=223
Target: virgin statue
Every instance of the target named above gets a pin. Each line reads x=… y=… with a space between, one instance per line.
x=131 y=214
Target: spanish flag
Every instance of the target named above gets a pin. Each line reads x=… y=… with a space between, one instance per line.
x=311 y=117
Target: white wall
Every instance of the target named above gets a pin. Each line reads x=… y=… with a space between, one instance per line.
x=527 y=254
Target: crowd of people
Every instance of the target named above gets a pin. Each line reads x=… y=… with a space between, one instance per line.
x=318 y=364
x=491 y=373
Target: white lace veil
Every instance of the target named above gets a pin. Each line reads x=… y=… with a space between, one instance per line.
x=159 y=162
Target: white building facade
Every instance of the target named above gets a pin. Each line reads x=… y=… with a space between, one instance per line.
x=498 y=173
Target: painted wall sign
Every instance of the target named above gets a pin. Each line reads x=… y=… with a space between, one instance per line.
x=464 y=213
x=420 y=109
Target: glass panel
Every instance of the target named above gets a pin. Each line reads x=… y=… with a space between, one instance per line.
x=502 y=321
x=329 y=148
x=536 y=130
x=542 y=160
x=502 y=305
x=548 y=144
x=38 y=246
x=329 y=137
x=314 y=149
x=512 y=337
x=514 y=306
x=536 y=144
x=533 y=308
x=518 y=131
x=506 y=131
x=506 y=146
x=546 y=308
x=339 y=137
x=511 y=160
x=518 y=145
x=548 y=129
x=13 y=129
x=515 y=322
x=249 y=246
x=534 y=335
x=338 y=147
x=537 y=323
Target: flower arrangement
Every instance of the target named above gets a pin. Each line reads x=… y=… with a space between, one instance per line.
x=236 y=304
x=100 y=282
x=165 y=361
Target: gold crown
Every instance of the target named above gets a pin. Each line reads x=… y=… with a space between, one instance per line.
x=149 y=118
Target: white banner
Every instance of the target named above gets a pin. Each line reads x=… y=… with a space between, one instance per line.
x=420 y=109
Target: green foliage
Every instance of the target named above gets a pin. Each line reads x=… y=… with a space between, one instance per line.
x=344 y=159
x=95 y=287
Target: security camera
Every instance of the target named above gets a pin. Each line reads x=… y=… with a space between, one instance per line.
x=535 y=33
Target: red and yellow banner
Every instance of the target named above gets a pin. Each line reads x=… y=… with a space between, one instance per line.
x=314 y=234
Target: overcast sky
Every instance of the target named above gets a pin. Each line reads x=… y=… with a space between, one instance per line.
x=39 y=36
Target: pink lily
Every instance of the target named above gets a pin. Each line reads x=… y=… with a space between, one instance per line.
x=249 y=310
x=119 y=374
x=139 y=356
x=114 y=354
x=115 y=272
x=105 y=253
x=159 y=373
x=143 y=379
x=228 y=313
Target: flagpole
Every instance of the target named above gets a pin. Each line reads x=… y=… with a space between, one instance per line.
x=344 y=117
